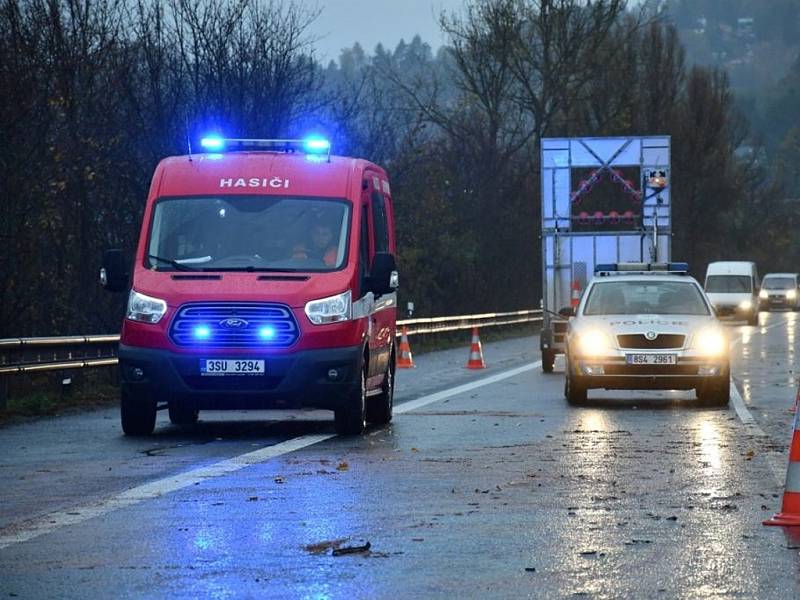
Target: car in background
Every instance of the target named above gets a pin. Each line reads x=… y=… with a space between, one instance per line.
x=646 y=326
x=732 y=288
x=779 y=290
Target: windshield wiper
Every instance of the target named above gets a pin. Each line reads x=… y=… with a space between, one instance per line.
x=178 y=265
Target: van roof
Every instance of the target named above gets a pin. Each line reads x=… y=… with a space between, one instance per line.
x=732 y=267
x=780 y=275
x=257 y=173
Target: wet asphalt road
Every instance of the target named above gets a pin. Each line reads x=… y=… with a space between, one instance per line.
x=496 y=490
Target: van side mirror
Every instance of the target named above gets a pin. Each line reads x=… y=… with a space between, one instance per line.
x=567 y=312
x=114 y=272
x=383 y=277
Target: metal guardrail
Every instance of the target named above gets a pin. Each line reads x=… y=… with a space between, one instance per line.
x=43 y=354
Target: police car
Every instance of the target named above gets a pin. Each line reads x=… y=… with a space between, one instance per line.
x=646 y=326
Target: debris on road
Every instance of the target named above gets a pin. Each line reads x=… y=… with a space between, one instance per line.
x=355 y=547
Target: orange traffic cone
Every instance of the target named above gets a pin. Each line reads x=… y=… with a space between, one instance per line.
x=475 y=352
x=575 y=296
x=790 y=508
x=405 y=360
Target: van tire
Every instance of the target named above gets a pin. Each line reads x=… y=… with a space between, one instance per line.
x=138 y=417
x=752 y=320
x=548 y=360
x=379 y=408
x=716 y=392
x=182 y=414
x=352 y=419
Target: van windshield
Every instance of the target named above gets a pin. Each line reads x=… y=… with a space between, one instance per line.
x=645 y=298
x=729 y=284
x=778 y=283
x=248 y=233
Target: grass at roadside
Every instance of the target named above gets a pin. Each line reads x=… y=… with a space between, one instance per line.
x=46 y=397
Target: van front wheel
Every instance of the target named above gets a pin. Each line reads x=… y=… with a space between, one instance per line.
x=138 y=417
x=352 y=419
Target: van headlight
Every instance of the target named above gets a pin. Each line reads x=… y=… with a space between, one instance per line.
x=745 y=305
x=330 y=310
x=791 y=295
x=710 y=342
x=145 y=308
x=594 y=343
x=763 y=294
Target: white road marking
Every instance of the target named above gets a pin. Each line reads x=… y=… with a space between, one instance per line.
x=775 y=460
x=28 y=530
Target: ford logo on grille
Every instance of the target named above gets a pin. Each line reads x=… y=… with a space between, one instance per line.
x=234 y=323
x=651 y=335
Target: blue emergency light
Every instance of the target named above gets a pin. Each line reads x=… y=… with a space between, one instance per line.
x=212 y=143
x=266 y=333
x=202 y=332
x=317 y=145
x=675 y=267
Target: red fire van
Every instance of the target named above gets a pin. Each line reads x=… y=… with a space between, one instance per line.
x=264 y=277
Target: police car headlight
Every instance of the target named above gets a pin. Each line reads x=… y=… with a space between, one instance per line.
x=711 y=342
x=330 y=310
x=763 y=294
x=791 y=295
x=145 y=308
x=745 y=305
x=594 y=343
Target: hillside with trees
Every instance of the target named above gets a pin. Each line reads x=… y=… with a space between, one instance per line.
x=93 y=94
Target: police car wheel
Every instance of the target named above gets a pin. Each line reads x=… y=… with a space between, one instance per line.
x=574 y=392
x=181 y=414
x=715 y=393
x=352 y=419
x=379 y=408
x=548 y=360
x=138 y=416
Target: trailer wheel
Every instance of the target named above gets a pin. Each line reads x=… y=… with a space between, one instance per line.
x=138 y=417
x=548 y=360
x=352 y=419
x=379 y=408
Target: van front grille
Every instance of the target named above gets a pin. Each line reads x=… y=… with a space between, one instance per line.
x=234 y=325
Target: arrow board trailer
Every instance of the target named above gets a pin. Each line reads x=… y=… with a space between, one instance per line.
x=604 y=200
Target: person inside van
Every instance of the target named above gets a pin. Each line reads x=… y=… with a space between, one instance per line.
x=322 y=247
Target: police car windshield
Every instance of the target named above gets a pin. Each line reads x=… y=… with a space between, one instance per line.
x=729 y=284
x=778 y=283
x=645 y=298
x=248 y=233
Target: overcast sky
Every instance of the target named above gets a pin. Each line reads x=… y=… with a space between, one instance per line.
x=344 y=22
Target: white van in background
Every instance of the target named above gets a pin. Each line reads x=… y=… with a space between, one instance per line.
x=779 y=290
x=732 y=287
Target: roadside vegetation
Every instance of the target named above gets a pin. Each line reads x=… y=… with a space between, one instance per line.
x=93 y=93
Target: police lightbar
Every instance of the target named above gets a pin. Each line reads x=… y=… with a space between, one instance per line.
x=310 y=145
x=676 y=267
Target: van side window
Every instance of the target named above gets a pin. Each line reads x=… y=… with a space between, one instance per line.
x=379 y=222
x=363 y=248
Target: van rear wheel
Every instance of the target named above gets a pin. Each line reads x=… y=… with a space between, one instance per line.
x=182 y=414
x=379 y=408
x=138 y=417
x=352 y=419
